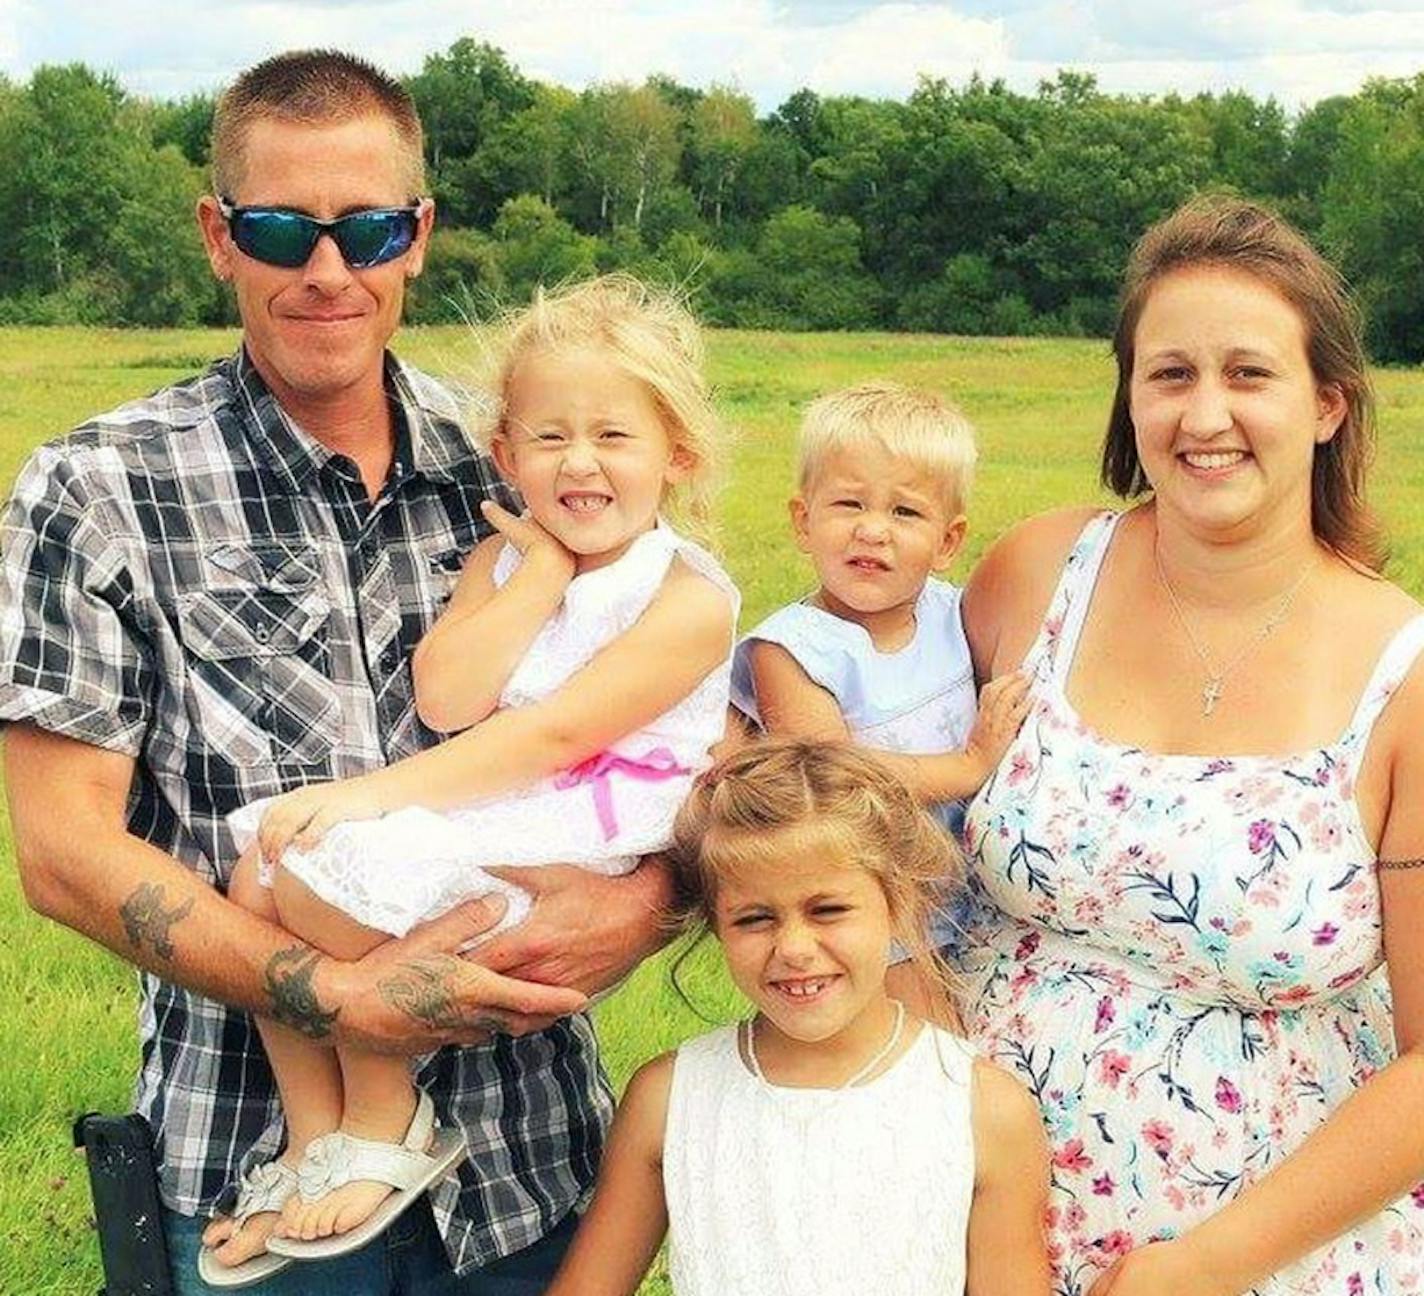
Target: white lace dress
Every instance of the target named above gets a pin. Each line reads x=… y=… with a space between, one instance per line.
x=819 y=1192
x=412 y=865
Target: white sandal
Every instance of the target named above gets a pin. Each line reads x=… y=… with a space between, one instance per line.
x=334 y=1160
x=265 y=1187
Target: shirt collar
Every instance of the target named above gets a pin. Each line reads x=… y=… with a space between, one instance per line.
x=429 y=437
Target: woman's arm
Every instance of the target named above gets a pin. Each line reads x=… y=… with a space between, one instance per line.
x=1371 y=1149
x=466 y=658
x=685 y=633
x=1008 y=1255
x=627 y=1218
x=793 y=705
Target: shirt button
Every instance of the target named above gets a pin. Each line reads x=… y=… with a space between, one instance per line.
x=261 y=633
x=390 y=658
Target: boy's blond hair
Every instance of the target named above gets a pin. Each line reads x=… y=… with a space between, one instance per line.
x=928 y=431
x=819 y=800
x=651 y=335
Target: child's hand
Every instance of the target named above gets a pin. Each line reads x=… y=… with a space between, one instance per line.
x=533 y=541
x=1003 y=704
x=1158 y=1269
x=301 y=818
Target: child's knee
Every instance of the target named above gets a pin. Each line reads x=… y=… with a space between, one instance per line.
x=246 y=888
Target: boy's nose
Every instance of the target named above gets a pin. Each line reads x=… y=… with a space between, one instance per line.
x=872 y=527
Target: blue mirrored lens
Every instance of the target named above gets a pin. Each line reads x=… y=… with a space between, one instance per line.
x=284 y=238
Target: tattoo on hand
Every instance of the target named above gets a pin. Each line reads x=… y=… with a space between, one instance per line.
x=422 y=990
x=146 y=921
x=289 y=977
x=1399 y=864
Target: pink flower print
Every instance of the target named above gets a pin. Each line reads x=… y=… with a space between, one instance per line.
x=1115 y=1244
x=1112 y=1066
x=1355 y=1285
x=1176 y=1198
x=1416 y=1195
x=1261 y=836
x=1346 y=978
x=1359 y=900
x=1020 y=768
x=1103 y=1185
x=1071 y=1157
x=1026 y=946
x=1075 y=1217
x=1325 y=934
x=1106 y=1013
x=1120 y=796
x=1159 y=1137
x=1228 y=1096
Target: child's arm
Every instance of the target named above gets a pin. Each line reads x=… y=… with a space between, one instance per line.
x=1008 y=1253
x=684 y=635
x=792 y=704
x=466 y=658
x=627 y=1218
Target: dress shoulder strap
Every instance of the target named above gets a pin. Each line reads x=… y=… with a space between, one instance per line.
x=1390 y=671
x=1052 y=651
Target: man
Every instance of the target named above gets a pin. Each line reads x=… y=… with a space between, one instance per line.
x=212 y=595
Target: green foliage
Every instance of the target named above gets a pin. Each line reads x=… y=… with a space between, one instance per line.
x=972 y=207
x=463 y=279
x=537 y=246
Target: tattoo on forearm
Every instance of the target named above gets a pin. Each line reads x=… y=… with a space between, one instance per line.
x=147 y=922
x=1399 y=864
x=422 y=990
x=289 y=984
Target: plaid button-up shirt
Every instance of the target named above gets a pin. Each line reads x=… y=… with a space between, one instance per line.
x=193 y=581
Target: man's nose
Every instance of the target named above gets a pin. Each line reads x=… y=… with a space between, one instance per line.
x=326 y=269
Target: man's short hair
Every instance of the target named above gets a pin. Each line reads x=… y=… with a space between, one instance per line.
x=928 y=431
x=312 y=87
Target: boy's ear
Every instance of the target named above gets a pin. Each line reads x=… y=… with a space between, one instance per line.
x=796 y=506
x=952 y=540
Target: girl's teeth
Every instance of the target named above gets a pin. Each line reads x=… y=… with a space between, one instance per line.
x=803 y=989
x=584 y=503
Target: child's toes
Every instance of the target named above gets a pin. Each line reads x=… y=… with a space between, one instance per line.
x=249 y=1240
x=218 y=1231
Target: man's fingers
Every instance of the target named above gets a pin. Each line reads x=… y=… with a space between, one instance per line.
x=511 y=999
x=461 y=925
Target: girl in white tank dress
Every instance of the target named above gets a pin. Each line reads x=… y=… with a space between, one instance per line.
x=832 y=1144
x=585 y=653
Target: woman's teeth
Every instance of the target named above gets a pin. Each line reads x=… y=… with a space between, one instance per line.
x=1214 y=459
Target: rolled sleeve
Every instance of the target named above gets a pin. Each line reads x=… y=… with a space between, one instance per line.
x=73 y=659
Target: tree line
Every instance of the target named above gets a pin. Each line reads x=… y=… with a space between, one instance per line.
x=965 y=209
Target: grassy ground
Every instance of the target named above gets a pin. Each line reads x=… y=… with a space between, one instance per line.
x=66 y=1020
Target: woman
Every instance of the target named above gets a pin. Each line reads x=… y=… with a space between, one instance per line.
x=1183 y=945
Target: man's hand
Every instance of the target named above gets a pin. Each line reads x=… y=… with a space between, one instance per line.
x=586 y=931
x=414 y=994
x=302 y=818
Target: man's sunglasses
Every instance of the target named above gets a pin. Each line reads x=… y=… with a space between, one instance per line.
x=280 y=237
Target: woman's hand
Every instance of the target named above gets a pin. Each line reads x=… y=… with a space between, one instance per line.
x=533 y=541
x=302 y=818
x=1159 y=1269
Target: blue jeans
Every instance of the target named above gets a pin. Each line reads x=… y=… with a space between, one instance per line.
x=407 y=1260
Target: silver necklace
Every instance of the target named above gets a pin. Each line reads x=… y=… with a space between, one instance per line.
x=860 y=1076
x=1215 y=682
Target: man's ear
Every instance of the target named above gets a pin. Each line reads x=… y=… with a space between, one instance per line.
x=800 y=521
x=424 y=223
x=217 y=242
x=952 y=541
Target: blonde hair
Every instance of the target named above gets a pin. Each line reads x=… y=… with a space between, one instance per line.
x=1229 y=233
x=928 y=431
x=827 y=800
x=653 y=337
x=314 y=88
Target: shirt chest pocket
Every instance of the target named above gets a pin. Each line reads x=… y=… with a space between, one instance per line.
x=257 y=643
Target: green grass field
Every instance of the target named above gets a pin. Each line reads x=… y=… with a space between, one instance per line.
x=66 y=1007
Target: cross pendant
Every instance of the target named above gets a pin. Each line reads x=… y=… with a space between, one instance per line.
x=1211 y=694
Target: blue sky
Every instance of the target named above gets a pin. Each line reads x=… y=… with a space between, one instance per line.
x=1296 y=50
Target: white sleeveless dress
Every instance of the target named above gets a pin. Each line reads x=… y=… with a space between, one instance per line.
x=774 y=1191
x=413 y=864
x=1181 y=957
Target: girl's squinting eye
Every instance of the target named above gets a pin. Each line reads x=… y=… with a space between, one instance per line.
x=830 y=910
x=751 y=920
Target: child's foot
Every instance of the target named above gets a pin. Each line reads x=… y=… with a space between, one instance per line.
x=265 y=1189
x=331 y=1199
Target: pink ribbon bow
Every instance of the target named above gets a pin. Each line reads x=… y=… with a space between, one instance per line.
x=653 y=767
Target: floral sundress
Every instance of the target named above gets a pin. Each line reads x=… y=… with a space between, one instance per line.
x=1181 y=957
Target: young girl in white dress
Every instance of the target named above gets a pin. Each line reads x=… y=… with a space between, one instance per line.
x=833 y=1144
x=877 y=653
x=585 y=652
